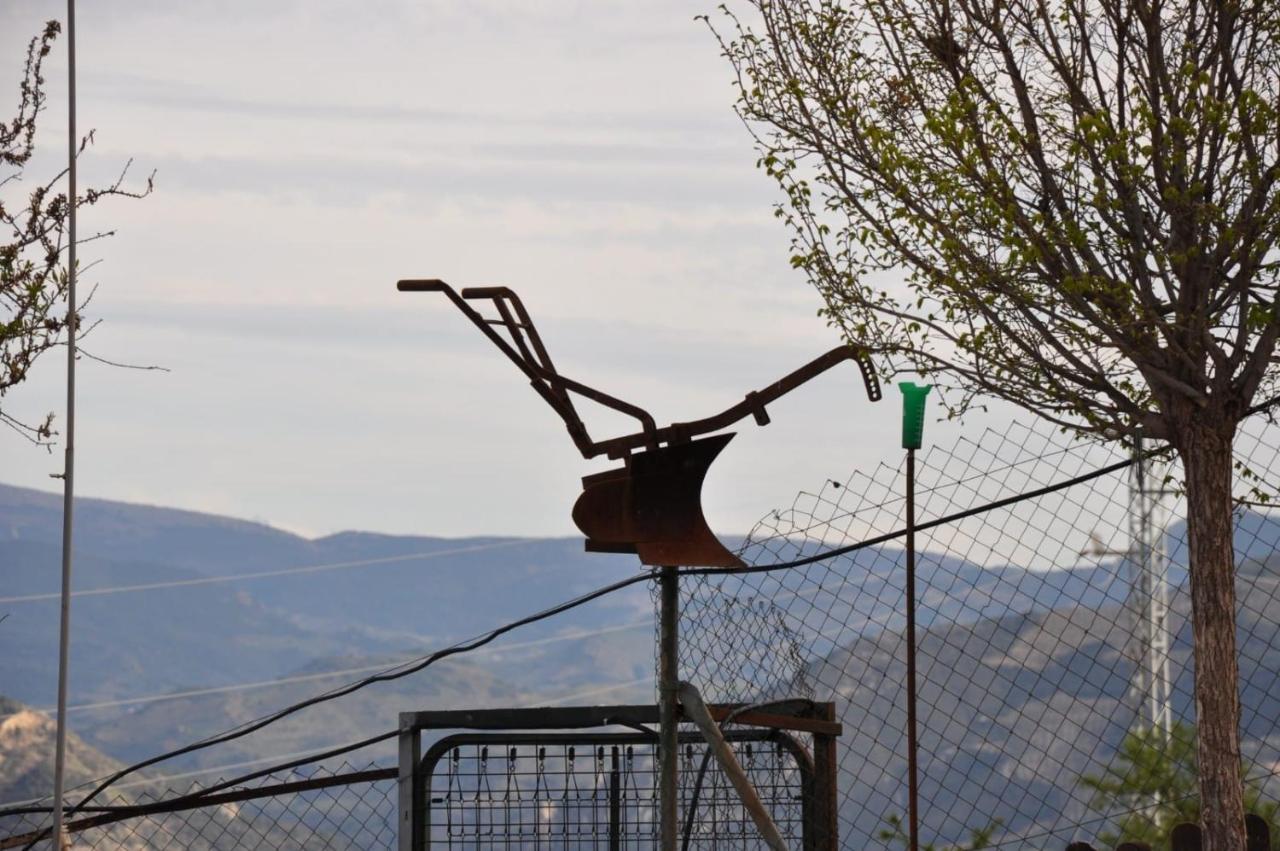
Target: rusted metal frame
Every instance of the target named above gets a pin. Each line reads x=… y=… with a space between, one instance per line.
x=505 y=294
x=818 y=726
x=822 y=826
x=818 y=771
x=753 y=404
x=808 y=714
x=438 y=749
x=522 y=328
x=576 y=428
x=513 y=327
x=424 y=768
x=913 y=740
x=695 y=710
x=541 y=718
x=408 y=786
x=549 y=384
x=615 y=800
x=187 y=802
x=669 y=708
x=545 y=378
x=649 y=437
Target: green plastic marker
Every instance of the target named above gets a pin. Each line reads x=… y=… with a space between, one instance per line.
x=912 y=436
x=913 y=413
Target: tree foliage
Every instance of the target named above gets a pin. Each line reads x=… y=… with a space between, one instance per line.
x=34 y=315
x=1081 y=193
x=1068 y=204
x=1152 y=783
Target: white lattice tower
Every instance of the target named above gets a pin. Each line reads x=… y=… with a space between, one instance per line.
x=1149 y=560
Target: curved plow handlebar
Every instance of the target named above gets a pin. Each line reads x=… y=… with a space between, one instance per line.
x=651 y=505
x=523 y=346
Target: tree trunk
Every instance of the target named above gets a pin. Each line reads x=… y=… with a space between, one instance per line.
x=1206 y=457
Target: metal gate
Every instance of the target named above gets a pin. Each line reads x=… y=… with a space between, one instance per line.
x=592 y=789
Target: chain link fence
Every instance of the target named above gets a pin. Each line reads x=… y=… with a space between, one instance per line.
x=337 y=809
x=1054 y=643
x=1054 y=658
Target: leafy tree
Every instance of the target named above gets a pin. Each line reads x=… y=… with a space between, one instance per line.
x=34 y=314
x=1067 y=204
x=1153 y=781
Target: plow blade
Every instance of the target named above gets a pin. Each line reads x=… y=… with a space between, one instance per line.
x=652 y=507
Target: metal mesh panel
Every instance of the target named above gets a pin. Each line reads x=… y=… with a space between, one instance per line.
x=600 y=791
x=1051 y=633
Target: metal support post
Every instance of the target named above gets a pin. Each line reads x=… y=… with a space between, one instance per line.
x=698 y=713
x=68 y=469
x=668 y=707
x=913 y=401
x=913 y=768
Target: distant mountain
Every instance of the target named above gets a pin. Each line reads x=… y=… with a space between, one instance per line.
x=26 y=755
x=1013 y=654
x=404 y=596
x=1015 y=709
x=418 y=587
x=26 y=774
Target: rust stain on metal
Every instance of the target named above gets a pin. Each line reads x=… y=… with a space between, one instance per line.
x=652 y=504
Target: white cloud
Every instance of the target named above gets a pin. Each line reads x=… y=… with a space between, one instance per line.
x=309 y=154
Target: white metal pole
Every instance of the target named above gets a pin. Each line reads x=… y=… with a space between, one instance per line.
x=68 y=471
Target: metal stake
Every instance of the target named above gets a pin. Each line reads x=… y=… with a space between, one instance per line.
x=913 y=780
x=668 y=708
x=68 y=470
x=913 y=396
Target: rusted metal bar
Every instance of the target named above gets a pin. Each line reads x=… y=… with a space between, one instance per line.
x=913 y=744
x=615 y=800
x=409 y=788
x=777 y=722
x=540 y=370
x=824 y=829
x=668 y=708
x=753 y=404
x=795 y=715
x=696 y=711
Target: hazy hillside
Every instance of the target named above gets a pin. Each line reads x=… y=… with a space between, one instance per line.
x=1015 y=709
x=1048 y=673
x=430 y=589
x=172 y=639
x=26 y=754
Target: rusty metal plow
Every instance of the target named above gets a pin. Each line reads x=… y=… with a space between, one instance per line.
x=652 y=505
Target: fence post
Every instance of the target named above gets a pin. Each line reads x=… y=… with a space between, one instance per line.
x=615 y=801
x=826 y=800
x=912 y=438
x=668 y=708
x=410 y=830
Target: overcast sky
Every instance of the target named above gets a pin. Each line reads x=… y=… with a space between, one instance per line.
x=308 y=154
